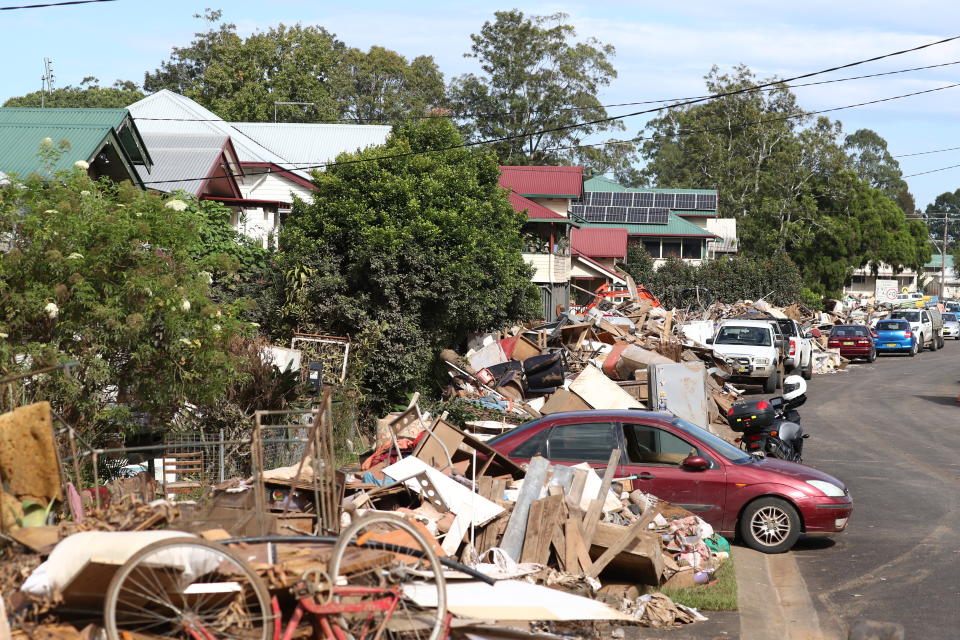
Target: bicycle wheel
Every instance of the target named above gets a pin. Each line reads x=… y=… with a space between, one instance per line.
x=187 y=588
x=422 y=577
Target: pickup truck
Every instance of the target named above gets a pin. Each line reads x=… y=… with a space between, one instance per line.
x=799 y=355
x=750 y=346
x=926 y=324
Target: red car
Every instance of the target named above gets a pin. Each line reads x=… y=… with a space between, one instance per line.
x=768 y=502
x=853 y=341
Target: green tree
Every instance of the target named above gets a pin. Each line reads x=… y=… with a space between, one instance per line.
x=946 y=205
x=241 y=78
x=88 y=95
x=875 y=166
x=535 y=76
x=104 y=275
x=408 y=255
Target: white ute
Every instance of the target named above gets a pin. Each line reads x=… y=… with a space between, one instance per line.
x=750 y=347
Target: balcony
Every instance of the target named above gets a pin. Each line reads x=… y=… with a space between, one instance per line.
x=549 y=267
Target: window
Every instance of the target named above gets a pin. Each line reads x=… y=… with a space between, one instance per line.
x=893 y=325
x=718 y=444
x=588 y=442
x=909 y=316
x=949 y=317
x=692 y=249
x=858 y=279
x=851 y=332
x=755 y=336
x=652 y=247
x=652 y=445
x=535 y=446
x=671 y=248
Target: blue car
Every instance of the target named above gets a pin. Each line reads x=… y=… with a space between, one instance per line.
x=894 y=336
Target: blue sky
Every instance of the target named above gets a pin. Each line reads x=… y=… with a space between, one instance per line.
x=663 y=50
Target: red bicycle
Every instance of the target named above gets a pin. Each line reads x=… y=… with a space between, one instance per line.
x=369 y=589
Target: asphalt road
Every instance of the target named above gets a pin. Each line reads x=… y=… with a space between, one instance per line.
x=891 y=431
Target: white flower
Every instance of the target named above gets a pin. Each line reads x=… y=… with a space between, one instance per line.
x=149 y=292
x=186 y=341
x=50 y=211
x=185 y=305
x=84 y=193
x=217 y=327
x=82 y=164
x=46 y=142
x=52 y=310
x=75 y=256
x=4 y=336
x=207 y=276
x=176 y=205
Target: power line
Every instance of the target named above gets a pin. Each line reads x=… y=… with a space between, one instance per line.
x=923 y=153
x=923 y=173
x=453 y=116
x=52 y=4
x=577 y=146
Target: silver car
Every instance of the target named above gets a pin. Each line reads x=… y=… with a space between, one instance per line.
x=951 y=326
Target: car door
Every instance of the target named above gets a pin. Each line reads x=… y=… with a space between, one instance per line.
x=653 y=455
x=577 y=442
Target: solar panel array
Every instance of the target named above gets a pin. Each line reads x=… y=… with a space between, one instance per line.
x=639 y=207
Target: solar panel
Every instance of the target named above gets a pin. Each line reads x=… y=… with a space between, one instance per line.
x=600 y=198
x=658 y=216
x=638 y=215
x=577 y=209
x=664 y=200
x=622 y=199
x=594 y=214
x=686 y=201
x=706 y=202
x=616 y=214
x=644 y=199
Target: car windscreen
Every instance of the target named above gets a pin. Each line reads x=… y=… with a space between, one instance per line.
x=753 y=336
x=909 y=316
x=893 y=325
x=843 y=332
x=721 y=446
x=949 y=317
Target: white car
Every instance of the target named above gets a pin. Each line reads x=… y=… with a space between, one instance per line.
x=951 y=326
x=750 y=346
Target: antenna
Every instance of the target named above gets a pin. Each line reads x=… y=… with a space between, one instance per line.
x=46 y=80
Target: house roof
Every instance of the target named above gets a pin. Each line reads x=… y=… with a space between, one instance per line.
x=599 y=242
x=588 y=264
x=602 y=183
x=543 y=182
x=182 y=158
x=937 y=263
x=675 y=227
x=87 y=130
x=534 y=210
x=286 y=145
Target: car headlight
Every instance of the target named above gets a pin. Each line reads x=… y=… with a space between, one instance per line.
x=761 y=360
x=828 y=488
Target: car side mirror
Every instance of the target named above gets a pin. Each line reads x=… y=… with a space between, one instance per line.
x=695 y=463
x=709 y=340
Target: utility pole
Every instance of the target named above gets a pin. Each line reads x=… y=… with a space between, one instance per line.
x=46 y=81
x=943 y=260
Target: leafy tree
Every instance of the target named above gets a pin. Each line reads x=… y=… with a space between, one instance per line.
x=408 y=255
x=947 y=205
x=534 y=76
x=875 y=166
x=241 y=78
x=89 y=95
x=104 y=275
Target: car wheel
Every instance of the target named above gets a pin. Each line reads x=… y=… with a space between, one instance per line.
x=807 y=372
x=769 y=525
x=934 y=345
x=920 y=343
x=942 y=342
x=913 y=350
x=770 y=384
x=872 y=357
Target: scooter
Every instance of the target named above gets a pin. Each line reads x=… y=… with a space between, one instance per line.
x=772 y=427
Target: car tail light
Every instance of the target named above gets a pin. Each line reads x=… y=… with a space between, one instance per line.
x=763 y=404
x=863 y=341
x=793 y=346
x=730 y=411
x=874 y=334
x=754 y=437
x=908 y=334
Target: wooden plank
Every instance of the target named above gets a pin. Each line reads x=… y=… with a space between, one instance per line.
x=593 y=513
x=533 y=540
x=629 y=534
x=559 y=545
x=575 y=547
x=576 y=487
x=512 y=542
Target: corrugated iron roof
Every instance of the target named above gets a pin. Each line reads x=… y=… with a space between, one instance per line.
x=534 y=210
x=675 y=227
x=601 y=183
x=543 y=182
x=287 y=145
x=598 y=242
x=181 y=158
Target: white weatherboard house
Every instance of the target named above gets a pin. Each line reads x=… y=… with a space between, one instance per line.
x=255 y=168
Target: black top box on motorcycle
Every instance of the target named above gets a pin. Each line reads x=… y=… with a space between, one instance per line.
x=750 y=415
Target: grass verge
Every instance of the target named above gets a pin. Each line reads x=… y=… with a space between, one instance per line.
x=720 y=595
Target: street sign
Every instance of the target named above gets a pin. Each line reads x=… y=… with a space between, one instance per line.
x=886 y=290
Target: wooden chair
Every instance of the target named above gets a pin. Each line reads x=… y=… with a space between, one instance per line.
x=187 y=471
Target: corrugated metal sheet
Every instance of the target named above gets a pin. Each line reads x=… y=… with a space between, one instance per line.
x=288 y=145
x=600 y=183
x=676 y=227
x=726 y=231
x=180 y=157
x=598 y=242
x=20 y=143
x=534 y=210
x=97 y=117
x=543 y=182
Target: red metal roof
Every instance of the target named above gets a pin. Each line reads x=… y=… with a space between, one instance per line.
x=534 y=211
x=543 y=182
x=600 y=243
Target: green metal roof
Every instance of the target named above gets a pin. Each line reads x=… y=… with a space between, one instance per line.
x=676 y=227
x=78 y=126
x=601 y=183
x=935 y=262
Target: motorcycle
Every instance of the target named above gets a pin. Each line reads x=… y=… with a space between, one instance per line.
x=772 y=427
